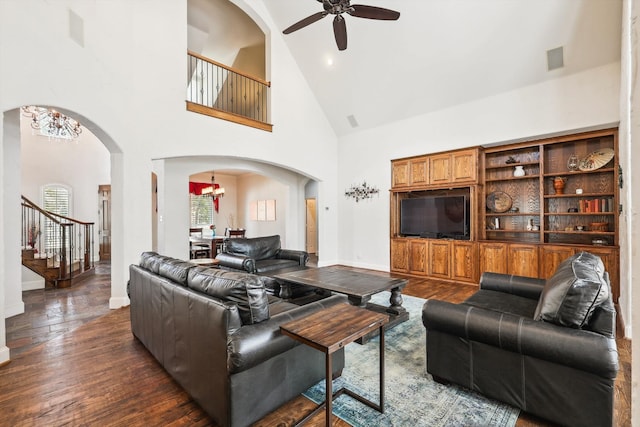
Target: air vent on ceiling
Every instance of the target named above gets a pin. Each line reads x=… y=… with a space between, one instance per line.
x=555 y=58
x=352 y=121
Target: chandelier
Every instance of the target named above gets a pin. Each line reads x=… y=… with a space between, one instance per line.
x=214 y=190
x=360 y=192
x=52 y=123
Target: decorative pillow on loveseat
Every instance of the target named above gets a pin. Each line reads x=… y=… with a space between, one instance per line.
x=576 y=288
x=245 y=290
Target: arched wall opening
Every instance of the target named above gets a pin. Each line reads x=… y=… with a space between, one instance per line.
x=246 y=181
x=11 y=180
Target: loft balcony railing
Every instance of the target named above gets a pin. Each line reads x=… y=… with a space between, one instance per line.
x=219 y=91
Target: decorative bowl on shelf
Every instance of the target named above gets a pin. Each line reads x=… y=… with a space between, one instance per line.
x=596 y=160
x=499 y=202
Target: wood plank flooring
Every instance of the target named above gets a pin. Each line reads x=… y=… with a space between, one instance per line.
x=97 y=373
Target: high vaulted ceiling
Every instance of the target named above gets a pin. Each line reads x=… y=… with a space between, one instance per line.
x=441 y=53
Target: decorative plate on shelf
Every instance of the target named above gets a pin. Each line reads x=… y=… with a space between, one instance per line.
x=596 y=160
x=499 y=201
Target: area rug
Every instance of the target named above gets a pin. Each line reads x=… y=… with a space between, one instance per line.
x=412 y=397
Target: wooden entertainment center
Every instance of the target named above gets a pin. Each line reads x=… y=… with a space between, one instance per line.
x=530 y=205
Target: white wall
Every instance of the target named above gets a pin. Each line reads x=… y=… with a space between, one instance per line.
x=254 y=187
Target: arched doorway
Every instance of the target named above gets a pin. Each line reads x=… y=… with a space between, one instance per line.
x=17 y=160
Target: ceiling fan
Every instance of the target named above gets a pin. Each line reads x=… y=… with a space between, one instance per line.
x=337 y=8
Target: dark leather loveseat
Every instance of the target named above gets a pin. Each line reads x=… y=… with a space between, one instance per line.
x=546 y=347
x=259 y=255
x=217 y=333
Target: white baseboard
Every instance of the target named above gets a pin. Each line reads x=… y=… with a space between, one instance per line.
x=31 y=280
x=5 y=355
x=33 y=285
x=118 y=302
x=366 y=266
x=13 y=310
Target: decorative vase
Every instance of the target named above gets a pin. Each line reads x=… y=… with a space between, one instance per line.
x=519 y=171
x=572 y=163
x=558 y=184
x=530 y=224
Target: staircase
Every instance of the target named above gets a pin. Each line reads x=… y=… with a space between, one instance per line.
x=58 y=248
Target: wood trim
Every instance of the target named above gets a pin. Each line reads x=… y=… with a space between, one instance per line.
x=226 y=67
x=551 y=140
x=231 y=117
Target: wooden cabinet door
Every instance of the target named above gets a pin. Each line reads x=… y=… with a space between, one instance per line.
x=465 y=166
x=439 y=169
x=493 y=257
x=400 y=174
x=464 y=261
x=400 y=255
x=418 y=256
x=419 y=171
x=440 y=258
x=523 y=260
x=551 y=256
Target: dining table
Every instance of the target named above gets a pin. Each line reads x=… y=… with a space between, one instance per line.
x=212 y=241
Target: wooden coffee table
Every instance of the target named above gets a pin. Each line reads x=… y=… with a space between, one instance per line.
x=330 y=330
x=359 y=288
x=205 y=262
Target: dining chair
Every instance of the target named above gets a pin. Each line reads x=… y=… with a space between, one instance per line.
x=198 y=249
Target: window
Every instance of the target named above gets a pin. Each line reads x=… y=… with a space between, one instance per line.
x=201 y=210
x=56 y=198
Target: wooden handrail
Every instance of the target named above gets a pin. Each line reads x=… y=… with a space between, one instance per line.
x=226 y=67
x=32 y=205
x=50 y=215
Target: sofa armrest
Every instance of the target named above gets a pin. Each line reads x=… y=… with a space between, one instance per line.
x=252 y=344
x=301 y=256
x=528 y=287
x=238 y=262
x=580 y=349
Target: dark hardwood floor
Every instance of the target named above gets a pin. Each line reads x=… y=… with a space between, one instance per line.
x=74 y=362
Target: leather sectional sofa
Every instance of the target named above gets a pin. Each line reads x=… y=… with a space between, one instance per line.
x=217 y=333
x=546 y=347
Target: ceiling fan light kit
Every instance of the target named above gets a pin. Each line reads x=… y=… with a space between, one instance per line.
x=337 y=8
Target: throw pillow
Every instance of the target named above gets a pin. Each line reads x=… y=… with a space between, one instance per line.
x=570 y=296
x=245 y=290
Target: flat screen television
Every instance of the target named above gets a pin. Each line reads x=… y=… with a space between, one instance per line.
x=435 y=217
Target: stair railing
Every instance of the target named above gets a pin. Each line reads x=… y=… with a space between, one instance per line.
x=66 y=243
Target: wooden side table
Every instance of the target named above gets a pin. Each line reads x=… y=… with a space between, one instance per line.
x=330 y=330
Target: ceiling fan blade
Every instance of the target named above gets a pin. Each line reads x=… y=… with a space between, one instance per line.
x=372 y=12
x=340 y=32
x=306 y=21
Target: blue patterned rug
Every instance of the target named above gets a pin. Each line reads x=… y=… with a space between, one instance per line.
x=412 y=398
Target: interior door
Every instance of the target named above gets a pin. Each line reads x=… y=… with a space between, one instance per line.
x=311 y=227
x=104 y=226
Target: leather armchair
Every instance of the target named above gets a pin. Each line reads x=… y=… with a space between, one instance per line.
x=499 y=343
x=259 y=255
